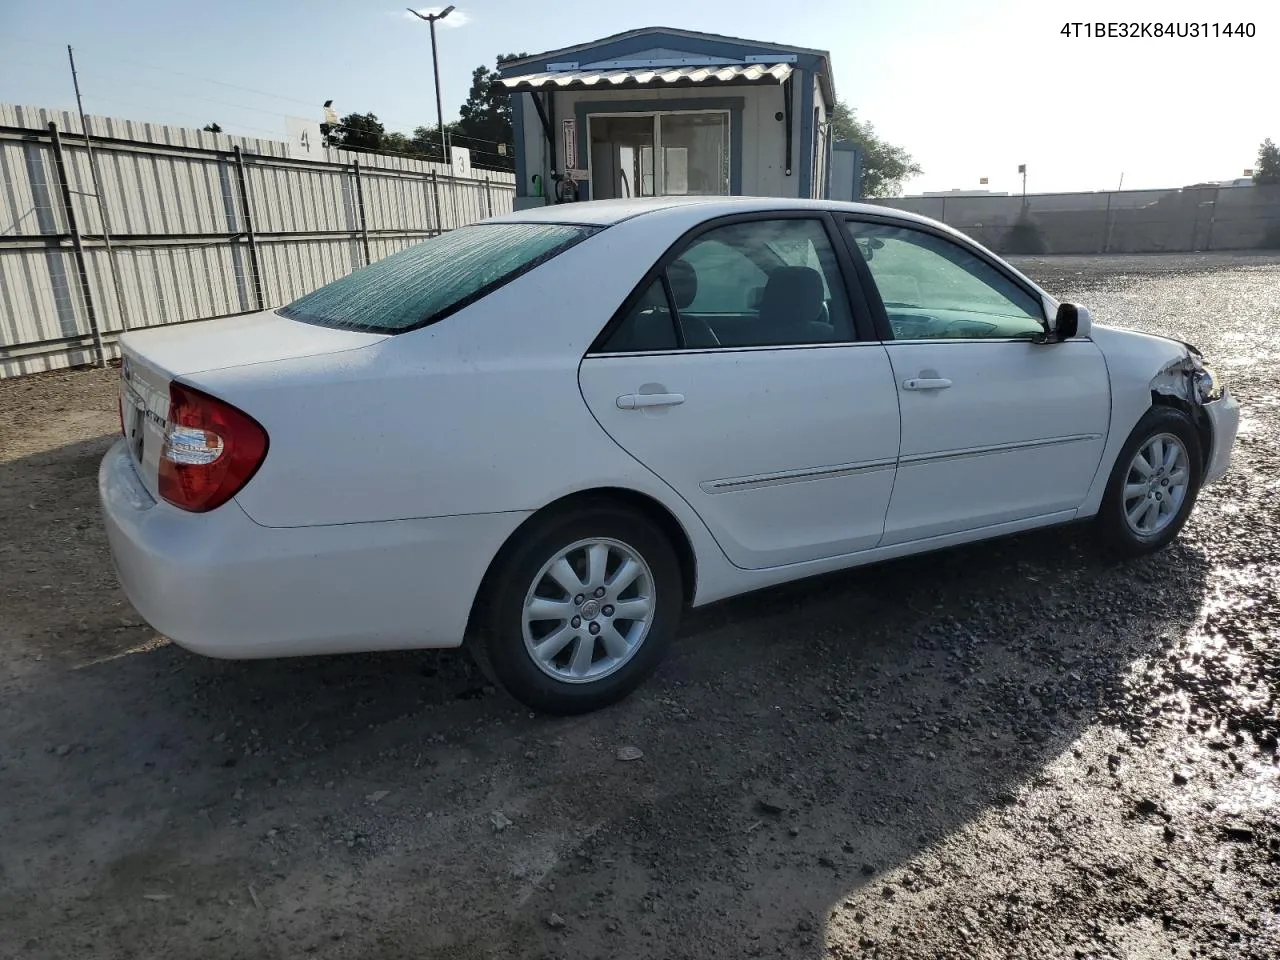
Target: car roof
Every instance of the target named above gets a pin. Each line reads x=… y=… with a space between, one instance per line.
x=607 y=212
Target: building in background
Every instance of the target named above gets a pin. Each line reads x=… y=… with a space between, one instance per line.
x=663 y=112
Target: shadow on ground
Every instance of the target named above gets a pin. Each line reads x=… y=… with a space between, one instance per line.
x=798 y=746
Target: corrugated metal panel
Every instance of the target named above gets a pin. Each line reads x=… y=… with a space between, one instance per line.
x=139 y=131
x=292 y=269
x=40 y=296
x=646 y=77
x=174 y=209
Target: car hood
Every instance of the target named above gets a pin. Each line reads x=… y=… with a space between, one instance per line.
x=1132 y=340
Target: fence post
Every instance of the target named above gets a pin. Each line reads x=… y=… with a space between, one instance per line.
x=1213 y=216
x=102 y=215
x=70 y=211
x=435 y=201
x=1106 y=238
x=364 y=229
x=246 y=211
x=454 y=212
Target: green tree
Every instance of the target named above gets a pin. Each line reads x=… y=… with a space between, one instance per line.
x=484 y=121
x=214 y=128
x=1267 y=169
x=884 y=166
x=395 y=143
x=425 y=142
x=358 y=131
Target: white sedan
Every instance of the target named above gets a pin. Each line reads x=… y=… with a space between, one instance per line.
x=548 y=433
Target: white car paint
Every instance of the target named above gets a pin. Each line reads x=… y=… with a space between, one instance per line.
x=399 y=465
x=1017 y=432
x=1133 y=361
x=763 y=446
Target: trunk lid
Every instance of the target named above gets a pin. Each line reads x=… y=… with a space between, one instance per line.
x=150 y=359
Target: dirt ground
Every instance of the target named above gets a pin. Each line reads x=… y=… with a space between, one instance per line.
x=1009 y=750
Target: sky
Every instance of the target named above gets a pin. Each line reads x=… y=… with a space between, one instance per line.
x=972 y=88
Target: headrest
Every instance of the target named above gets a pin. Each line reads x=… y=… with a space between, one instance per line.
x=794 y=293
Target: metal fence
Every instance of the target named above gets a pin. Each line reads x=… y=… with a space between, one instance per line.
x=1190 y=219
x=190 y=226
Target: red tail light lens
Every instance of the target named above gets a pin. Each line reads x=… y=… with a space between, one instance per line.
x=211 y=450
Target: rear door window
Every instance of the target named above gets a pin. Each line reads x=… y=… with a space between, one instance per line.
x=437 y=277
x=767 y=282
x=727 y=279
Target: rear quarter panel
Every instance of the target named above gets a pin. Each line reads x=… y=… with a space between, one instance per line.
x=479 y=413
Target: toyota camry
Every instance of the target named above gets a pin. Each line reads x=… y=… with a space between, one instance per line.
x=546 y=434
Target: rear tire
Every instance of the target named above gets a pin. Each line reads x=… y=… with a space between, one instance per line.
x=580 y=609
x=1147 y=502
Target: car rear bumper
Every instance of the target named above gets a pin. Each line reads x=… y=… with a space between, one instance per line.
x=222 y=585
x=1224 y=416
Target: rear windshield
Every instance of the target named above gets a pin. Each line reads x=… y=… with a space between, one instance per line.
x=434 y=278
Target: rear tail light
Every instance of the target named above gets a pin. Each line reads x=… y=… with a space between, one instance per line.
x=210 y=451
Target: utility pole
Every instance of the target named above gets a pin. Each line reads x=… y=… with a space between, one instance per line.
x=431 y=19
x=97 y=192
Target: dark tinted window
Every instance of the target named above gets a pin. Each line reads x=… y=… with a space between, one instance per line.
x=411 y=288
x=647 y=326
x=766 y=283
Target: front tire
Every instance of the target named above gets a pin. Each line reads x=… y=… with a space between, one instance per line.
x=580 y=610
x=1153 y=485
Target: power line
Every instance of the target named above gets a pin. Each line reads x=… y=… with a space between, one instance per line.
x=275 y=134
x=221 y=83
x=275 y=113
x=264 y=93
x=185 y=96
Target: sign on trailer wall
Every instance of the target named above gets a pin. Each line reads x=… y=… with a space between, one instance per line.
x=570 y=128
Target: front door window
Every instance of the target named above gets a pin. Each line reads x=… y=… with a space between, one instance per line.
x=934 y=289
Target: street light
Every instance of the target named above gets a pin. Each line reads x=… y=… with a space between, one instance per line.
x=431 y=19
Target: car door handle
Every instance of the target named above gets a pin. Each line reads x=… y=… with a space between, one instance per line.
x=926 y=383
x=636 y=401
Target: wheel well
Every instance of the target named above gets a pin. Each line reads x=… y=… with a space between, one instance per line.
x=639 y=502
x=1204 y=430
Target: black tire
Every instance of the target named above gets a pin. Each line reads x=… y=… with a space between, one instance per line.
x=1111 y=523
x=498 y=644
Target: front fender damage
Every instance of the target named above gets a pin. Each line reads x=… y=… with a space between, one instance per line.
x=1188 y=379
x=1186 y=383
x=1176 y=380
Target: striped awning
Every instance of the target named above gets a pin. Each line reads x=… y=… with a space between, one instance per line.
x=650 y=77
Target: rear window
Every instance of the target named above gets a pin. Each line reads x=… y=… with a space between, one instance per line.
x=429 y=281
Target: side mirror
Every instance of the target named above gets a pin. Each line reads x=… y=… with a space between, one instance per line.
x=1072 y=321
x=754 y=296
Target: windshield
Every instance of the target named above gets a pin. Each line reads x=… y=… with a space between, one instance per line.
x=434 y=278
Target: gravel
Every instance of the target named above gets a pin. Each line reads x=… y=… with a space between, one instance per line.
x=1015 y=749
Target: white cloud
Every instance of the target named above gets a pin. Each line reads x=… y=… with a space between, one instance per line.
x=456 y=18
